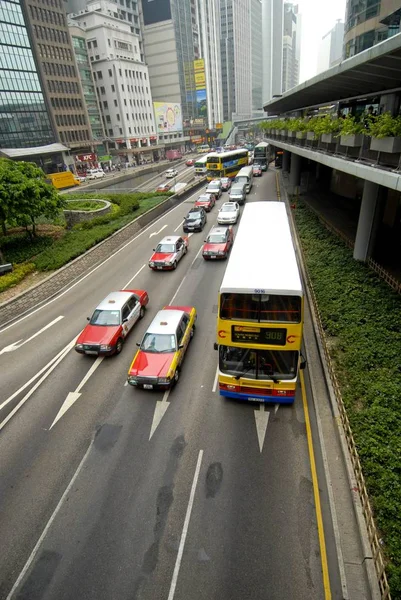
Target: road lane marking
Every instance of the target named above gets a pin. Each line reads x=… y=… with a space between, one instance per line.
x=216 y=379
x=318 y=508
x=17 y=345
x=185 y=528
x=132 y=278
x=160 y=230
x=61 y=294
x=160 y=411
x=180 y=286
x=35 y=387
x=48 y=525
x=180 y=225
x=38 y=374
x=261 y=419
x=72 y=397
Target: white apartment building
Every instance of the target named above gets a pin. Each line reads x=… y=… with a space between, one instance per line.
x=121 y=78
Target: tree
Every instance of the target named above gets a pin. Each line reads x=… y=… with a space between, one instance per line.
x=25 y=196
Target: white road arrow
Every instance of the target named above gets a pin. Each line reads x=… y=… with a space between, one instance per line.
x=17 y=345
x=160 y=409
x=157 y=232
x=73 y=396
x=262 y=419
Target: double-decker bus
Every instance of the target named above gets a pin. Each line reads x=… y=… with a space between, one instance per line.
x=226 y=164
x=200 y=165
x=261 y=155
x=260 y=310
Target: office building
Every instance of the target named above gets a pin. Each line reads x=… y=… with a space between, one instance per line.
x=24 y=117
x=331 y=47
x=272 y=32
x=171 y=45
x=121 y=78
x=52 y=45
x=88 y=84
x=256 y=57
x=368 y=23
x=291 y=46
x=236 y=58
x=209 y=52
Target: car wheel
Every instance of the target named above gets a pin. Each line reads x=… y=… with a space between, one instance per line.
x=119 y=345
x=175 y=264
x=142 y=312
x=185 y=250
x=176 y=376
x=192 y=332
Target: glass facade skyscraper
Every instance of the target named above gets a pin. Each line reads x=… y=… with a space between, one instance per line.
x=24 y=119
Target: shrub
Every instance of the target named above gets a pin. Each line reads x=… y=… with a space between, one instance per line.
x=18 y=274
x=297 y=125
x=326 y=125
x=84 y=205
x=19 y=247
x=350 y=126
x=384 y=126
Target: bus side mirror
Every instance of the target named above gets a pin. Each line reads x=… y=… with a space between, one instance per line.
x=215 y=346
x=302 y=364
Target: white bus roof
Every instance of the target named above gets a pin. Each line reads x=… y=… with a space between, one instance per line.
x=263 y=255
x=202 y=160
x=261 y=145
x=228 y=153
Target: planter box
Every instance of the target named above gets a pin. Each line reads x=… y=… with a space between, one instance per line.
x=327 y=138
x=291 y=134
x=300 y=135
x=283 y=133
x=387 y=144
x=353 y=141
x=310 y=135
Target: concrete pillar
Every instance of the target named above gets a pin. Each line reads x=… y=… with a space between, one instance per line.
x=295 y=173
x=366 y=221
x=286 y=160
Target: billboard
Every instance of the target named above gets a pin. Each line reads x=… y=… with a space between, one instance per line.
x=200 y=87
x=155 y=11
x=168 y=117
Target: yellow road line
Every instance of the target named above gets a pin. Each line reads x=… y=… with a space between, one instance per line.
x=278 y=187
x=320 y=528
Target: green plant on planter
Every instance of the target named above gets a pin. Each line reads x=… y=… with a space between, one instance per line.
x=384 y=126
x=350 y=126
x=296 y=125
x=326 y=125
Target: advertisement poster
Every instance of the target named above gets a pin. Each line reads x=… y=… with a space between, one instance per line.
x=168 y=117
x=200 y=86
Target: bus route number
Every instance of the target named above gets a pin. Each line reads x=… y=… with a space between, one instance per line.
x=259 y=291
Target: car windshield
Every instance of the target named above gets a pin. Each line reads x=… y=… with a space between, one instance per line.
x=228 y=208
x=159 y=343
x=213 y=186
x=225 y=180
x=216 y=238
x=193 y=216
x=204 y=199
x=236 y=192
x=165 y=248
x=105 y=317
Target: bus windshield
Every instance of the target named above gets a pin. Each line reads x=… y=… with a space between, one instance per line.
x=260 y=307
x=258 y=364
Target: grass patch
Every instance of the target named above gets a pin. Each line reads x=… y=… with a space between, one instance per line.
x=84 y=205
x=363 y=315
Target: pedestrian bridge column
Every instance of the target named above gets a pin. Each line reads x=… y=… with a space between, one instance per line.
x=286 y=160
x=295 y=173
x=363 y=239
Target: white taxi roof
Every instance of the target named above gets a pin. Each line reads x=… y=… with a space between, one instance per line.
x=114 y=301
x=166 y=321
x=171 y=239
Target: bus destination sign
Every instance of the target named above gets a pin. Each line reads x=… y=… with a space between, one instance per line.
x=259 y=335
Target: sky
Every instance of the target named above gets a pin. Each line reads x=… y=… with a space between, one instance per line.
x=318 y=17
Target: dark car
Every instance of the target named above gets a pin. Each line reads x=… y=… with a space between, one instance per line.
x=225 y=183
x=257 y=170
x=195 y=220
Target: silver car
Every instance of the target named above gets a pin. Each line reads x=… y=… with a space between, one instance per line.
x=238 y=193
x=228 y=213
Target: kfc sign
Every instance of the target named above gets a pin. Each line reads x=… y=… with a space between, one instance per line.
x=86 y=157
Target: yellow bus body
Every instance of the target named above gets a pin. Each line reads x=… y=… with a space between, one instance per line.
x=62 y=180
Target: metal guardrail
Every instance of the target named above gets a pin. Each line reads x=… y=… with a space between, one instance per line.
x=374 y=541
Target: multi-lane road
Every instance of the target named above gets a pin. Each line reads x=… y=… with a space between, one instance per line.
x=113 y=493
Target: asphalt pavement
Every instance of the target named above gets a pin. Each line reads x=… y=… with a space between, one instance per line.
x=129 y=494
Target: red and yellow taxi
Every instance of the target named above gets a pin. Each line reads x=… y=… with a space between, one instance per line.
x=168 y=253
x=158 y=362
x=218 y=243
x=207 y=201
x=164 y=187
x=190 y=162
x=111 y=322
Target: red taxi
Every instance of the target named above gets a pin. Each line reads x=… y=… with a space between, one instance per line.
x=158 y=362
x=190 y=162
x=218 y=243
x=164 y=187
x=168 y=253
x=111 y=322
x=207 y=201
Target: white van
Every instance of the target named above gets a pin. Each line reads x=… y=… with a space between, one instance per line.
x=95 y=173
x=245 y=175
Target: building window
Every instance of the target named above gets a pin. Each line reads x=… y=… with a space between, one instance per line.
x=110 y=73
x=105 y=105
x=121 y=131
x=113 y=89
x=99 y=74
x=118 y=117
x=115 y=103
x=110 y=132
x=102 y=90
